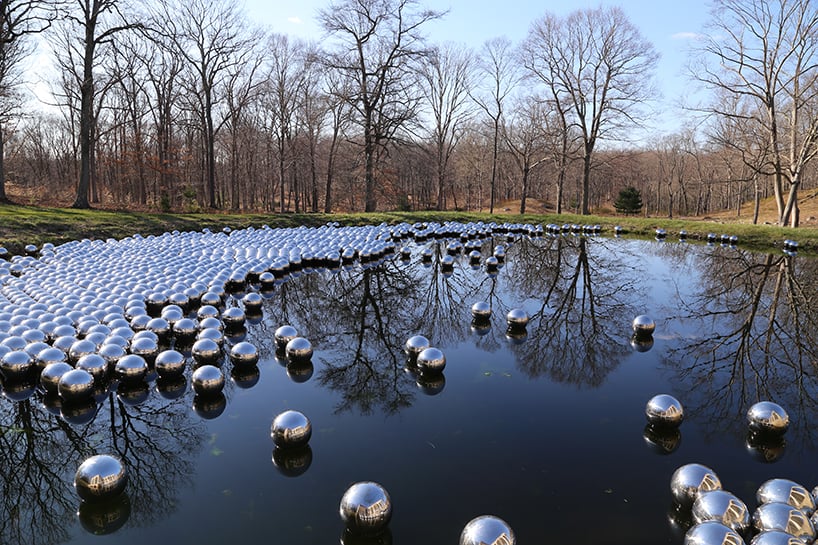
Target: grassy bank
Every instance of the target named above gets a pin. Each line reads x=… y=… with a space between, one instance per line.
x=21 y=225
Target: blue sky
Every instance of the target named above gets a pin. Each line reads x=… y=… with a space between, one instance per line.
x=669 y=25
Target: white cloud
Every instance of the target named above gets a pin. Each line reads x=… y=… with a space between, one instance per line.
x=295 y=20
x=687 y=36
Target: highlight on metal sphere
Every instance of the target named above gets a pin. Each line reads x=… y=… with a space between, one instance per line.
x=431 y=361
x=689 y=480
x=723 y=507
x=712 y=532
x=285 y=334
x=786 y=491
x=291 y=429
x=517 y=318
x=768 y=417
x=100 y=477
x=208 y=380
x=415 y=345
x=786 y=518
x=366 y=507
x=299 y=349
x=643 y=326
x=487 y=529
x=664 y=410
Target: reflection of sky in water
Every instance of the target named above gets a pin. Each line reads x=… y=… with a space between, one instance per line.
x=546 y=433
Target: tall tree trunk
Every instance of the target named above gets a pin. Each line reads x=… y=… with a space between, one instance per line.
x=3 y=197
x=86 y=118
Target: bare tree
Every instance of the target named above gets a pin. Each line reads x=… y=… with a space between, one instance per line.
x=597 y=66
x=500 y=72
x=765 y=53
x=378 y=42
x=447 y=81
x=524 y=137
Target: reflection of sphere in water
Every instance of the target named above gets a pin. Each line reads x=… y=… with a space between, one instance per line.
x=171 y=386
x=431 y=361
x=133 y=393
x=131 y=368
x=786 y=491
x=643 y=326
x=517 y=318
x=768 y=417
x=79 y=413
x=516 y=335
x=481 y=310
x=19 y=389
x=209 y=406
x=104 y=517
x=664 y=410
x=689 y=480
x=786 y=518
x=712 y=532
x=300 y=371
x=99 y=477
x=291 y=429
x=724 y=507
x=206 y=351
x=492 y=263
x=351 y=537
x=641 y=344
x=766 y=448
x=50 y=376
x=487 y=529
x=366 y=507
x=243 y=353
x=75 y=385
x=292 y=462
x=662 y=439
x=299 y=349
x=207 y=380
x=245 y=376
x=480 y=328
x=415 y=345
x=170 y=363
x=431 y=384
x=285 y=334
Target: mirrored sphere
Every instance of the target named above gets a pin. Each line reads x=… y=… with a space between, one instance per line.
x=415 y=345
x=170 y=363
x=291 y=429
x=284 y=335
x=95 y=365
x=517 y=317
x=724 y=507
x=15 y=364
x=206 y=351
x=75 y=385
x=712 y=533
x=431 y=361
x=100 y=477
x=299 y=349
x=243 y=353
x=643 y=326
x=481 y=310
x=487 y=530
x=51 y=374
x=786 y=491
x=131 y=367
x=775 y=537
x=768 y=417
x=786 y=518
x=689 y=480
x=366 y=507
x=664 y=410
x=207 y=380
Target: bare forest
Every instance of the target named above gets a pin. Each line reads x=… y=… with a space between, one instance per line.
x=186 y=106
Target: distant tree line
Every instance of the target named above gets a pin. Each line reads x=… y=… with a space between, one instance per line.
x=184 y=105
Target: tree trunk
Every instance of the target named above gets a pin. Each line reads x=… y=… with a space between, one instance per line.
x=86 y=117
x=369 y=157
x=3 y=197
x=586 y=183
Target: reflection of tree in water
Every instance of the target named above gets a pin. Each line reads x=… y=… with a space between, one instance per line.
x=758 y=326
x=583 y=298
x=41 y=452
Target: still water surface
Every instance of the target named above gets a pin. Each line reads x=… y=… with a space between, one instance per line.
x=546 y=431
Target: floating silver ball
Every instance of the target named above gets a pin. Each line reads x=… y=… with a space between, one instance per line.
x=233 y=317
x=100 y=477
x=131 y=367
x=723 y=507
x=431 y=361
x=207 y=311
x=185 y=328
x=291 y=429
x=664 y=410
x=111 y=352
x=243 y=353
x=284 y=335
x=517 y=318
x=95 y=365
x=206 y=351
x=643 y=326
x=51 y=374
x=75 y=385
x=252 y=302
x=144 y=346
x=415 y=345
x=481 y=310
x=786 y=491
x=366 y=507
x=170 y=363
x=208 y=380
x=16 y=364
x=689 y=480
x=160 y=326
x=487 y=530
x=768 y=417
x=775 y=537
x=786 y=518
x=712 y=533
x=79 y=349
x=299 y=349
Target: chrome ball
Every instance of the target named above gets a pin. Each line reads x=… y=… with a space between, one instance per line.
x=100 y=477
x=75 y=385
x=366 y=507
x=768 y=417
x=712 y=533
x=415 y=345
x=206 y=351
x=723 y=507
x=233 y=317
x=775 y=537
x=291 y=429
x=47 y=356
x=643 y=326
x=786 y=491
x=95 y=365
x=517 y=318
x=170 y=363
x=431 y=361
x=79 y=349
x=785 y=518
x=299 y=349
x=689 y=480
x=51 y=374
x=243 y=353
x=207 y=380
x=481 y=310
x=16 y=364
x=131 y=367
x=284 y=335
x=486 y=530
x=664 y=410
x=184 y=328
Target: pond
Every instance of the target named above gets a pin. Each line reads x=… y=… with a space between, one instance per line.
x=543 y=426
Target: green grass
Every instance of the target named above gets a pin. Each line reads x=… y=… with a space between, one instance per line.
x=21 y=225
